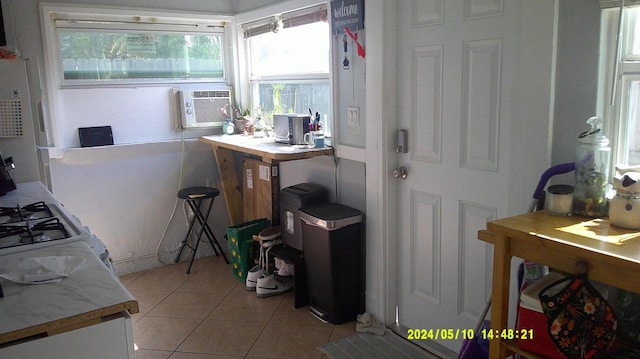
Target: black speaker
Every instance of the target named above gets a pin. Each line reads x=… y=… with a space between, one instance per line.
x=95 y=136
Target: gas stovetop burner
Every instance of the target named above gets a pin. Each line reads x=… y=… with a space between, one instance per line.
x=29 y=232
x=35 y=237
x=31 y=211
x=18 y=216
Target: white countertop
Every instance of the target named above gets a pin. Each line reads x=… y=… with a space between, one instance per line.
x=89 y=293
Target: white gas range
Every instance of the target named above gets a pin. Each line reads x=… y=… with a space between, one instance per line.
x=31 y=217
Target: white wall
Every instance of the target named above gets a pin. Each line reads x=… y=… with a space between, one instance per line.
x=351 y=83
x=323 y=170
x=126 y=193
x=577 y=76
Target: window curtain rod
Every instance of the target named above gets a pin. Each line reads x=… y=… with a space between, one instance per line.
x=286 y=20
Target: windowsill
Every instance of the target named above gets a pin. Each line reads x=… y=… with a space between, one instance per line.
x=117 y=152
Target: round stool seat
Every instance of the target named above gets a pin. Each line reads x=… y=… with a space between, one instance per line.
x=198 y=192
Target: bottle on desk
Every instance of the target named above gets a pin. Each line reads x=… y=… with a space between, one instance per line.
x=592 y=172
x=228 y=128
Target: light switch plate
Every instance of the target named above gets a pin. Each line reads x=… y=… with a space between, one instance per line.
x=353 y=116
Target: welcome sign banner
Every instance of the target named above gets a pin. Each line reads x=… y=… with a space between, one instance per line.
x=347 y=14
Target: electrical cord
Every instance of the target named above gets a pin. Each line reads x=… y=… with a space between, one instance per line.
x=175 y=204
x=336 y=162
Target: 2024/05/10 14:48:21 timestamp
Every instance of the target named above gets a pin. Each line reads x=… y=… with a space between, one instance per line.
x=456 y=334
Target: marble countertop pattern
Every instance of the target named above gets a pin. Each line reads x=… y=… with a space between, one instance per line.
x=86 y=295
x=26 y=193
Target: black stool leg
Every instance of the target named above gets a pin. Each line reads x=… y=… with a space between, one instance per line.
x=186 y=238
x=195 y=208
x=194 y=205
x=214 y=241
x=209 y=232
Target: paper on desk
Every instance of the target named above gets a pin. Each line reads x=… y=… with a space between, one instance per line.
x=39 y=270
x=602 y=230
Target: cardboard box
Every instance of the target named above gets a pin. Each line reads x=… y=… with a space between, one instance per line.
x=259 y=186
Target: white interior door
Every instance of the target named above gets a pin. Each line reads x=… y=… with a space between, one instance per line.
x=454 y=73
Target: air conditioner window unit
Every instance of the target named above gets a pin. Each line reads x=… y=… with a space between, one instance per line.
x=201 y=106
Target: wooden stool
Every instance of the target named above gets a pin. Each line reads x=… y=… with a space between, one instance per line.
x=194 y=197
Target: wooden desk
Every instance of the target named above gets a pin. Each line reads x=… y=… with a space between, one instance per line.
x=269 y=152
x=612 y=256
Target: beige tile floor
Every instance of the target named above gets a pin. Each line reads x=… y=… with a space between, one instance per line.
x=209 y=315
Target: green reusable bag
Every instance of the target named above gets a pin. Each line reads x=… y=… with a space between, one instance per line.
x=241 y=245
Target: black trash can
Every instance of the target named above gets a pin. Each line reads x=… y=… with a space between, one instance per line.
x=332 y=237
x=291 y=200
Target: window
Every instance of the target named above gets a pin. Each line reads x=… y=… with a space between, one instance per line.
x=288 y=61
x=112 y=48
x=625 y=107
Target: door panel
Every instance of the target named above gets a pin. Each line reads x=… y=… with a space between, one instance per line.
x=475 y=273
x=452 y=98
x=424 y=264
x=480 y=104
x=427 y=65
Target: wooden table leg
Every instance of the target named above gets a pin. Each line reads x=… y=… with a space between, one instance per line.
x=500 y=293
x=230 y=183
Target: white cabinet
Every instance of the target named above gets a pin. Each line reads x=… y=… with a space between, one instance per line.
x=106 y=340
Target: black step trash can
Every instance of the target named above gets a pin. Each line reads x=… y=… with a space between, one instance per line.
x=333 y=245
x=291 y=200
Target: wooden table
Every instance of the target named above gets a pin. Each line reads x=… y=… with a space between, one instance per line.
x=270 y=154
x=612 y=256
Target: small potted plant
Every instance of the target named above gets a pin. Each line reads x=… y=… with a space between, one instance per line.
x=242 y=119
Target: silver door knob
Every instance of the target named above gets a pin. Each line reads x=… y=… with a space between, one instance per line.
x=400 y=172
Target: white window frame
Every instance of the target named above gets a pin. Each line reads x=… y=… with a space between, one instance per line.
x=123 y=20
x=628 y=71
x=243 y=78
x=53 y=83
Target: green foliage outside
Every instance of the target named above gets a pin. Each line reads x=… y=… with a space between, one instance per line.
x=110 y=55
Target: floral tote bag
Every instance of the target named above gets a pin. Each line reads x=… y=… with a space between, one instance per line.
x=580 y=321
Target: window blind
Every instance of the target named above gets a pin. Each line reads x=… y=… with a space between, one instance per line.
x=608 y=4
x=290 y=19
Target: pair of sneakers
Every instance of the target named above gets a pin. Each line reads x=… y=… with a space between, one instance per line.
x=266 y=284
x=258 y=274
x=258 y=278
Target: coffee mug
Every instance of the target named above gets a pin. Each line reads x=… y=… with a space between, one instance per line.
x=314 y=139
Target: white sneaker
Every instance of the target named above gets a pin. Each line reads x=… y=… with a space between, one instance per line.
x=269 y=285
x=286 y=269
x=252 y=277
x=278 y=262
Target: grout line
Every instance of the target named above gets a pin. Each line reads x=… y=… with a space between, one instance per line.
x=265 y=327
x=231 y=289
x=206 y=316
